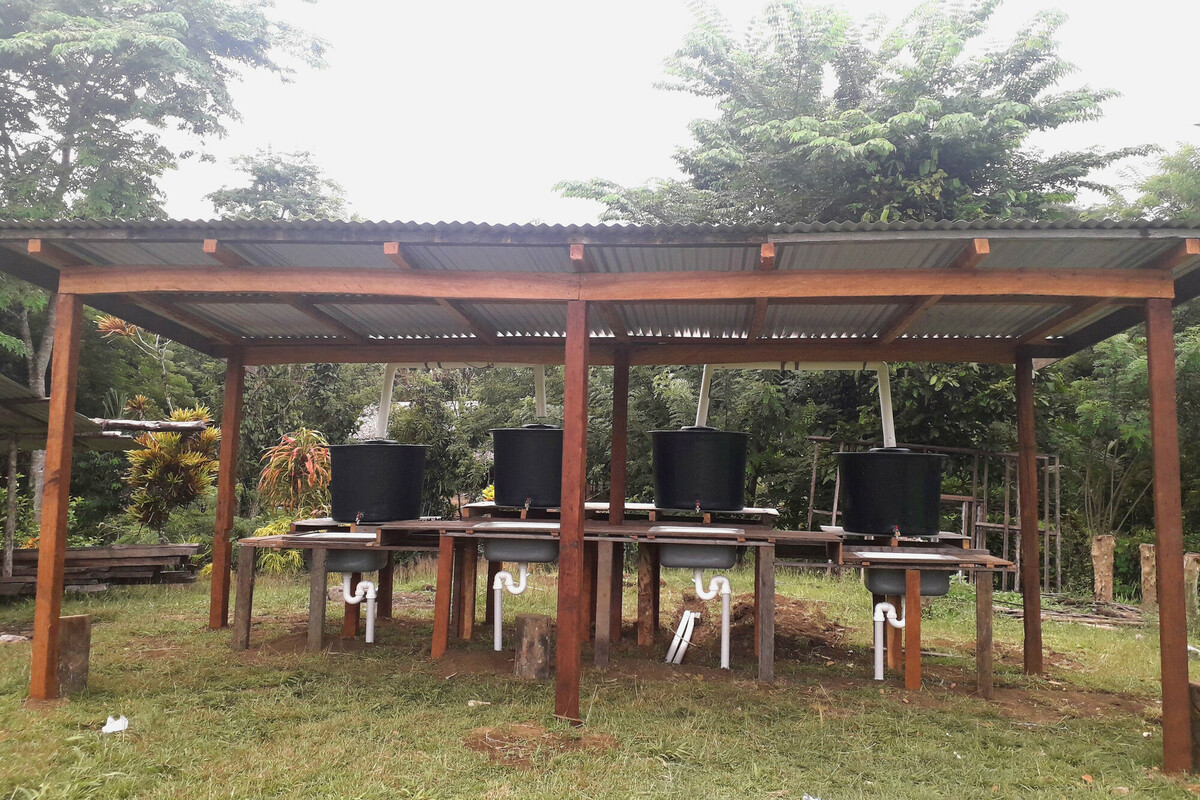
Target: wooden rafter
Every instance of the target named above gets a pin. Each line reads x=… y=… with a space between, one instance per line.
x=1063 y=320
x=220 y=252
x=972 y=254
x=172 y=311
x=608 y=313
x=396 y=255
x=466 y=318
x=626 y=287
x=53 y=255
x=312 y=311
x=1176 y=255
x=766 y=263
x=904 y=319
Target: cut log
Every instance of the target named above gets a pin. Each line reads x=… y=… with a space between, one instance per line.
x=74 y=650
x=533 y=646
x=1102 y=568
x=1149 y=578
x=1191 y=585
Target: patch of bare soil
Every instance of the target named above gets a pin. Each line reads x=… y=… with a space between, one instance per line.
x=472 y=662
x=802 y=631
x=520 y=744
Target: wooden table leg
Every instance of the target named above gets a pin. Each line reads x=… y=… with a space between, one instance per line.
x=912 y=629
x=350 y=618
x=245 y=597
x=764 y=588
x=645 y=624
x=603 y=604
x=757 y=565
x=489 y=601
x=441 y=602
x=617 y=590
x=317 y=577
x=469 y=583
x=387 y=577
x=983 y=634
x=590 y=571
x=456 y=588
x=656 y=586
x=893 y=637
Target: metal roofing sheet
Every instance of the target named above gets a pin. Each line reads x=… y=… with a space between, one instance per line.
x=523 y=319
x=992 y=320
x=1072 y=253
x=305 y=254
x=398 y=320
x=505 y=257
x=261 y=319
x=787 y=320
x=718 y=320
x=672 y=259
x=904 y=254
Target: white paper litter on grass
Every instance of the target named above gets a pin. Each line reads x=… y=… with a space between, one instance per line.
x=115 y=724
x=12 y=638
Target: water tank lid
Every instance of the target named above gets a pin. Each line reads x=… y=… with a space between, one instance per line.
x=890 y=450
x=540 y=426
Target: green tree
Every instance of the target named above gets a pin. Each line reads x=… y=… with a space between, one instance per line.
x=172 y=470
x=821 y=118
x=282 y=186
x=1172 y=191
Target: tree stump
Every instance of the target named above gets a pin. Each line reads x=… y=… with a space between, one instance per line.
x=1102 y=568
x=533 y=646
x=1149 y=578
x=1191 y=585
x=74 y=649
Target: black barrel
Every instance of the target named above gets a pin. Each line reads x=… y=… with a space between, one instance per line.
x=528 y=466
x=891 y=489
x=378 y=479
x=699 y=468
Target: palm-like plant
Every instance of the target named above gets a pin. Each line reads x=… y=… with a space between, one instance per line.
x=172 y=470
x=295 y=474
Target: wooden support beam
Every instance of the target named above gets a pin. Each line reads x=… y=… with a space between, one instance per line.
x=611 y=561
x=52 y=543
x=53 y=255
x=1064 y=320
x=905 y=319
x=623 y=287
x=231 y=425
x=1168 y=525
x=310 y=310
x=396 y=255
x=972 y=254
x=221 y=253
x=468 y=320
x=983 y=634
x=318 y=578
x=570 y=557
x=1031 y=590
x=912 y=629
x=1175 y=256
x=245 y=597
x=168 y=310
x=758 y=320
x=766 y=256
x=615 y=322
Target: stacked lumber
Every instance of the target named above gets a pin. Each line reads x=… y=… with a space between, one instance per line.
x=99 y=567
x=1085 y=612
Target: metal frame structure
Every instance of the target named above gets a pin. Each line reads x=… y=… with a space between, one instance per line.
x=299 y=292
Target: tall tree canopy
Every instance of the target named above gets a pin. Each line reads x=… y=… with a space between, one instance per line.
x=282 y=186
x=822 y=118
x=87 y=86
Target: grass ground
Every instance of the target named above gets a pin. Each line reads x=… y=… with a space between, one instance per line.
x=387 y=722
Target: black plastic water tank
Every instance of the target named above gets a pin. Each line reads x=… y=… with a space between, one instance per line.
x=528 y=466
x=378 y=479
x=891 y=489
x=699 y=467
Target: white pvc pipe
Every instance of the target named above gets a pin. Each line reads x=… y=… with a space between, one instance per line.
x=718 y=585
x=364 y=591
x=503 y=581
x=683 y=637
x=385 y=401
x=702 y=405
x=883 y=611
x=539 y=390
x=883 y=374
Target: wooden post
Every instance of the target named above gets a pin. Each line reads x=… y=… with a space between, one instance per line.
x=611 y=555
x=1027 y=500
x=1168 y=523
x=493 y=567
x=387 y=579
x=469 y=584
x=587 y=606
x=532 y=659
x=231 y=424
x=1194 y=709
x=351 y=615
x=894 y=637
x=618 y=587
x=317 y=580
x=1191 y=584
x=10 y=517
x=574 y=473
x=441 y=602
x=983 y=634
x=604 y=588
x=56 y=494
x=645 y=621
x=1102 y=568
x=764 y=589
x=912 y=629
x=245 y=597
x=456 y=589
x=1149 y=576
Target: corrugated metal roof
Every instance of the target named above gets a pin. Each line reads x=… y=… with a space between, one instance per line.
x=982 y=320
x=716 y=320
x=523 y=319
x=261 y=319
x=399 y=320
x=785 y=320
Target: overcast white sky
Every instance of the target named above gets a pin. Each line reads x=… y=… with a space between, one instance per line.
x=474 y=110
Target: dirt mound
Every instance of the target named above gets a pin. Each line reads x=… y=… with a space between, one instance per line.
x=521 y=744
x=801 y=627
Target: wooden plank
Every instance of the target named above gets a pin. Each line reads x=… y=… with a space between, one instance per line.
x=764 y=590
x=223 y=254
x=231 y=423
x=352 y=613
x=245 y=598
x=1168 y=525
x=983 y=634
x=492 y=286
x=905 y=318
x=1027 y=498
x=317 y=580
x=310 y=310
x=574 y=475
x=441 y=602
x=56 y=495
x=1177 y=255
x=912 y=629
x=971 y=255
x=387 y=581
x=470 y=581
x=396 y=255
x=52 y=254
